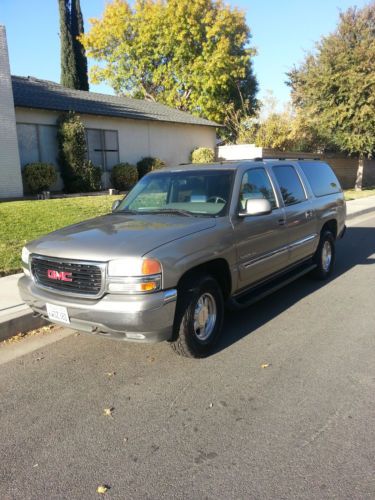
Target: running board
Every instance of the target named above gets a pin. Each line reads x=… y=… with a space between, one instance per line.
x=248 y=298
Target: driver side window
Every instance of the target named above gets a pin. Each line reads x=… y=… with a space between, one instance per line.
x=256 y=185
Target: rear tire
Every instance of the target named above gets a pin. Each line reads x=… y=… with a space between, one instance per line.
x=199 y=317
x=324 y=256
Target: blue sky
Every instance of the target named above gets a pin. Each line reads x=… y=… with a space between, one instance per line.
x=282 y=33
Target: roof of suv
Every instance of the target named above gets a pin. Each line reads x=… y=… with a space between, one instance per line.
x=233 y=165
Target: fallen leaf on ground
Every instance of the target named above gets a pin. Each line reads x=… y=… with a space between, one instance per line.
x=265 y=365
x=150 y=359
x=210 y=405
x=102 y=488
x=110 y=374
x=108 y=411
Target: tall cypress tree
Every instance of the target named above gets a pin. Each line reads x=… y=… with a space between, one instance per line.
x=69 y=77
x=76 y=27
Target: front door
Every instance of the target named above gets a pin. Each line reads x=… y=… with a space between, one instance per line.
x=261 y=241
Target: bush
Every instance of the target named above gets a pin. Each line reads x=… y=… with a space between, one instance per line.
x=148 y=164
x=124 y=176
x=39 y=176
x=203 y=155
x=79 y=174
x=88 y=180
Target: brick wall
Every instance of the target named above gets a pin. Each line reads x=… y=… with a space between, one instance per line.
x=10 y=171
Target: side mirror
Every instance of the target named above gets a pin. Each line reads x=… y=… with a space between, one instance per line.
x=115 y=205
x=257 y=207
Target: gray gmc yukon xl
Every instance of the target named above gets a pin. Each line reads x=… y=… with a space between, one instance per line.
x=183 y=244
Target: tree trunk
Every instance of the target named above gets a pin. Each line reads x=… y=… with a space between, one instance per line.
x=359 y=179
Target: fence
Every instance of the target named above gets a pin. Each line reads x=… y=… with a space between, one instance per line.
x=346 y=168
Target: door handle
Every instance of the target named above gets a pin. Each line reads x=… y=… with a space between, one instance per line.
x=309 y=214
x=282 y=222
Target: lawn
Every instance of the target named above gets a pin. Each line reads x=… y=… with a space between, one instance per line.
x=22 y=221
x=352 y=194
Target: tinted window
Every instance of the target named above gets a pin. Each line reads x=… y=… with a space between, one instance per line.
x=321 y=178
x=290 y=184
x=256 y=185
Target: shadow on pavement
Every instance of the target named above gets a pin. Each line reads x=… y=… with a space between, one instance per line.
x=355 y=249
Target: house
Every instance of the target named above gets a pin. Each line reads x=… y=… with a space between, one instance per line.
x=118 y=129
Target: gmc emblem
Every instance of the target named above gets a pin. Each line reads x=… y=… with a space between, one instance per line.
x=60 y=276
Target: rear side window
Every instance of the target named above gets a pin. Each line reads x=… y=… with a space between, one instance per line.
x=321 y=178
x=290 y=185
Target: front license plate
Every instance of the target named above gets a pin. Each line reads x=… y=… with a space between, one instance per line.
x=58 y=313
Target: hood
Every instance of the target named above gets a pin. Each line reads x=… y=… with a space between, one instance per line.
x=117 y=235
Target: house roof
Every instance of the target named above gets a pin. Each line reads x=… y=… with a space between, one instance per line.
x=30 y=92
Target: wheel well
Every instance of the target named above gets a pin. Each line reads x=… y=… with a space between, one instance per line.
x=330 y=225
x=218 y=269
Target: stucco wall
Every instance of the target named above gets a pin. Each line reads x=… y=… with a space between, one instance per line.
x=10 y=174
x=171 y=142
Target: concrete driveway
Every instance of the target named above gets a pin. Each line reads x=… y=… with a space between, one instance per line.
x=285 y=409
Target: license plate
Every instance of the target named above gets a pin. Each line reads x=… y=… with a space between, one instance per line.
x=58 y=313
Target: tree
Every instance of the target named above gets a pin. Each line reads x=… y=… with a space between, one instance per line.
x=335 y=86
x=77 y=29
x=69 y=77
x=285 y=130
x=78 y=173
x=73 y=57
x=189 y=54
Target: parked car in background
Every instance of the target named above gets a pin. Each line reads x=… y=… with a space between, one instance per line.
x=183 y=244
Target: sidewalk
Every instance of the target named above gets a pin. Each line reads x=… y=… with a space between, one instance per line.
x=361 y=206
x=16 y=317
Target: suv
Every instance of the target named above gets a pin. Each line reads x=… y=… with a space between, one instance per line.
x=185 y=242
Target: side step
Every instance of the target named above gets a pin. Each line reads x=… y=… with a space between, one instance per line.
x=248 y=298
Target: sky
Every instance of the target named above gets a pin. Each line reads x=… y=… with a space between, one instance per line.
x=283 y=31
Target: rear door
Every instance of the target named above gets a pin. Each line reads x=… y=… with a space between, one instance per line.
x=299 y=212
x=261 y=241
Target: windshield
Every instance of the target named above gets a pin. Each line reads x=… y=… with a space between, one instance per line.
x=184 y=193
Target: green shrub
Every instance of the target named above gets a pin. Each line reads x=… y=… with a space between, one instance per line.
x=78 y=173
x=148 y=164
x=124 y=176
x=203 y=155
x=88 y=180
x=39 y=176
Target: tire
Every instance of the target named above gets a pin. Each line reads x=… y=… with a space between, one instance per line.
x=324 y=256
x=199 y=317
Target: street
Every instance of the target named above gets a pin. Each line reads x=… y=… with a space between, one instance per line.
x=284 y=409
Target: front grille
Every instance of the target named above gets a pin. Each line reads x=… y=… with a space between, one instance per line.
x=82 y=278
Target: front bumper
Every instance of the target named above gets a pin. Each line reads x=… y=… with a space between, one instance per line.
x=139 y=318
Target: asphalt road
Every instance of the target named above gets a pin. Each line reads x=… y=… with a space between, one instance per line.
x=224 y=427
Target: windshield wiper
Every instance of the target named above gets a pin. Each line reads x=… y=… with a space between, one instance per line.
x=177 y=211
x=126 y=211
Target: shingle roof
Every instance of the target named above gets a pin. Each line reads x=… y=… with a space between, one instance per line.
x=30 y=92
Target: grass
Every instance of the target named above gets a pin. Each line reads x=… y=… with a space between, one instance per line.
x=22 y=221
x=352 y=194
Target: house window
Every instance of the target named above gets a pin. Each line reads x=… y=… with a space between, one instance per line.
x=102 y=147
x=37 y=143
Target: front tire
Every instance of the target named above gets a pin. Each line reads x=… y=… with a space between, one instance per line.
x=324 y=257
x=199 y=317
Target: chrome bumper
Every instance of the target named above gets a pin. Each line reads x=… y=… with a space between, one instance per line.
x=139 y=318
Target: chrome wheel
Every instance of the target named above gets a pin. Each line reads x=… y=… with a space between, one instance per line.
x=205 y=316
x=326 y=256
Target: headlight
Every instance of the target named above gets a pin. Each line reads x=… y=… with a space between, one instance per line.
x=25 y=256
x=134 y=275
x=25 y=261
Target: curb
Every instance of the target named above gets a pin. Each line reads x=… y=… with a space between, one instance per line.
x=20 y=322
x=360 y=212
